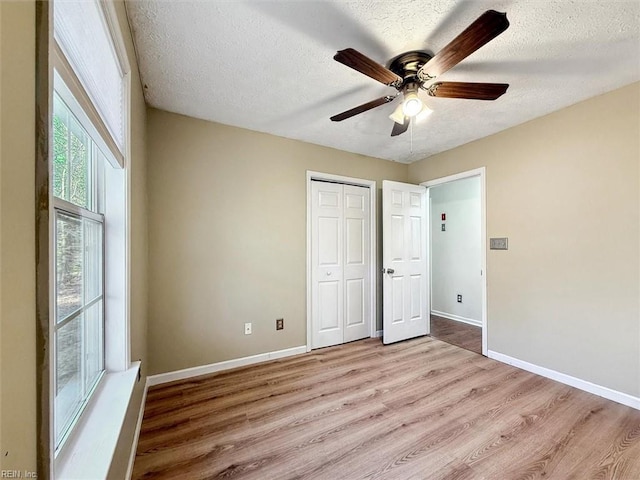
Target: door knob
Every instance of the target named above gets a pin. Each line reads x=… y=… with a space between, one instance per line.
x=328 y=273
x=388 y=270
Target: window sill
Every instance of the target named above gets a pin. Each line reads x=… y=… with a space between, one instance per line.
x=89 y=451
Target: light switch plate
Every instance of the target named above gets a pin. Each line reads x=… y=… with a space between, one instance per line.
x=501 y=243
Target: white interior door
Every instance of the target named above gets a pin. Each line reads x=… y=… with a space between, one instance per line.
x=404 y=260
x=340 y=263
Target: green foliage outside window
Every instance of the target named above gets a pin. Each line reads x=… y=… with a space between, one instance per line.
x=71 y=162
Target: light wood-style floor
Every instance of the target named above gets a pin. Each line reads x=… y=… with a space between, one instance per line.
x=420 y=409
x=456 y=333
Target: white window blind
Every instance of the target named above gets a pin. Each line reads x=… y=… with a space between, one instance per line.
x=82 y=33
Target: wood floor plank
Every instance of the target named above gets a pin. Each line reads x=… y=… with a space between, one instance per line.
x=435 y=432
x=279 y=402
x=417 y=409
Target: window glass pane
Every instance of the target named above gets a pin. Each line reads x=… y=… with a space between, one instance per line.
x=80 y=307
x=69 y=386
x=69 y=264
x=72 y=165
x=79 y=164
x=60 y=149
x=93 y=259
x=100 y=164
x=93 y=344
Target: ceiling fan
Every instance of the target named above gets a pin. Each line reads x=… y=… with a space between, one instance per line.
x=415 y=70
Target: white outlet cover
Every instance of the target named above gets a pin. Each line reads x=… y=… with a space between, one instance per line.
x=501 y=243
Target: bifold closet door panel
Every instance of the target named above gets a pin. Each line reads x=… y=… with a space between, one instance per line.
x=327 y=234
x=357 y=271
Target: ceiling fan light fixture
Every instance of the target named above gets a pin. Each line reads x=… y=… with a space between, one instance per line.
x=398 y=114
x=412 y=104
x=424 y=113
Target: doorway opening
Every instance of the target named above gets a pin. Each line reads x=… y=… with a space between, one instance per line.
x=457 y=239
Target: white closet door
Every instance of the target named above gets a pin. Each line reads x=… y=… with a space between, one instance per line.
x=357 y=247
x=340 y=256
x=327 y=299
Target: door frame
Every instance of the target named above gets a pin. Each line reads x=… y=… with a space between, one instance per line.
x=476 y=172
x=373 y=260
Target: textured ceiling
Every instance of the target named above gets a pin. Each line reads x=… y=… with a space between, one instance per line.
x=268 y=65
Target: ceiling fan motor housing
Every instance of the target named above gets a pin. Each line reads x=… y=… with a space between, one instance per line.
x=407 y=65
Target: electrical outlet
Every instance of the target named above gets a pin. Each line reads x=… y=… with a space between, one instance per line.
x=280 y=324
x=247 y=329
x=501 y=243
x=459 y=298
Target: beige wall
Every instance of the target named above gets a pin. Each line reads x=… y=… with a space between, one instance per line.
x=138 y=195
x=565 y=189
x=227 y=230
x=18 y=415
x=17 y=236
x=1 y=316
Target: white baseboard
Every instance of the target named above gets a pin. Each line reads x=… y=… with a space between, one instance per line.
x=220 y=366
x=457 y=318
x=605 y=392
x=376 y=334
x=136 y=435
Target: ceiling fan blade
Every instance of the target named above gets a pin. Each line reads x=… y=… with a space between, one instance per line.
x=399 y=128
x=487 y=27
x=363 y=64
x=473 y=91
x=362 y=108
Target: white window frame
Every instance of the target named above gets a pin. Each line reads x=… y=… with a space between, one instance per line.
x=74 y=454
x=67 y=208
